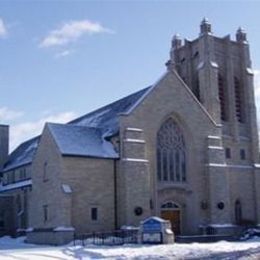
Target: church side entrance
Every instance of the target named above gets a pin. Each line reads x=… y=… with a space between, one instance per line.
x=171 y=211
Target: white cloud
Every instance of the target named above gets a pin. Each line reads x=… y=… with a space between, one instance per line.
x=72 y=31
x=3 y=30
x=23 y=131
x=63 y=54
x=7 y=114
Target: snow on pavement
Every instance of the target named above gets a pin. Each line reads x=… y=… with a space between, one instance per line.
x=17 y=249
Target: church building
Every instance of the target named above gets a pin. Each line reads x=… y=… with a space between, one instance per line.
x=184 y=149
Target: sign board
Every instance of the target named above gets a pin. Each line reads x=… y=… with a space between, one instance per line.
x=152 y=238
x=152 y=225
x=154 y=230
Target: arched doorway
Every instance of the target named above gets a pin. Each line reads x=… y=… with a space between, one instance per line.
x=172 y=212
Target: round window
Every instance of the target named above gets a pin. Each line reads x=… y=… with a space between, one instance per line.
x=221 y=205
x=138 y=211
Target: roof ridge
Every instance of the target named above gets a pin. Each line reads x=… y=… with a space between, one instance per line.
x=72 y=125
x=27 y=141
x=107 y=106
x=103 y=119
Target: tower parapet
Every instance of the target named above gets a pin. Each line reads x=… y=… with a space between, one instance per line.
x=205 y=27
x=176 y=41
x=241 y=35
x=215 y=69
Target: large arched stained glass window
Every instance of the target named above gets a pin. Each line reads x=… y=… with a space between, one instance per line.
x=171 y=156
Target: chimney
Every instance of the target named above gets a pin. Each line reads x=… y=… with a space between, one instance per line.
x=4 y=144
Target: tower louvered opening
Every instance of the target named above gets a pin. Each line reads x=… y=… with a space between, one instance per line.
x=238 y=100
x=222 y=98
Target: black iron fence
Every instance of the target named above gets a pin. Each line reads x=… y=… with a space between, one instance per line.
x=118 y=237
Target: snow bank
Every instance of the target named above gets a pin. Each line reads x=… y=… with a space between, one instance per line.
x=17 y=249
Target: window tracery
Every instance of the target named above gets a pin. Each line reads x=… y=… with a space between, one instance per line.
x=171 y=156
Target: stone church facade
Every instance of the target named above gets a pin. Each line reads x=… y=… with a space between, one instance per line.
x=185 y=148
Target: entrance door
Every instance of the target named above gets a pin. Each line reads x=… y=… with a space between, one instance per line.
x=174 y=217
x=171 y=211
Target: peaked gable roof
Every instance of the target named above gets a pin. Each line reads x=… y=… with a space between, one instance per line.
x=76 y=140
x=22 y=155
x=104 y=118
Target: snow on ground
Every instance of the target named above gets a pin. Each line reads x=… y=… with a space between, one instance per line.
x=17 y=249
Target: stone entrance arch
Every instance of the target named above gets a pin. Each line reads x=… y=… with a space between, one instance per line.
x=171 y=211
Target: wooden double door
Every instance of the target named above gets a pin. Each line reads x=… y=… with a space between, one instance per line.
x=174 y=217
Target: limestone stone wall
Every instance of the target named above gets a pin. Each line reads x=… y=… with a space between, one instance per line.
x=160 y=104
x=257 y=191
x=69 y=187
x=50 y=237
x=47 y=190
x=92 y=183
x=242 y=188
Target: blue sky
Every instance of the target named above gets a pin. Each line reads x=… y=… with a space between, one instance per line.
x=62 y=59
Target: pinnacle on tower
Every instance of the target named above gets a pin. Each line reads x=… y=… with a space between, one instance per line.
x=205 y=27
x=241 y=35
x=176 y=41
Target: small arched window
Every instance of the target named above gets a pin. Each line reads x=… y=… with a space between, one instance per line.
x=171 y=153
x=238 y=100
x=222 y=98
x=45 y=171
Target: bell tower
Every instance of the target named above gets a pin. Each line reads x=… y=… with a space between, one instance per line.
x=196 y=64
x=219 y=73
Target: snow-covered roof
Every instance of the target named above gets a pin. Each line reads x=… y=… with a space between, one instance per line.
x=154 y=218
x=16 y=185
x=106 y=118
x=77 y=140
x=22 y=155
x=106 y=121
